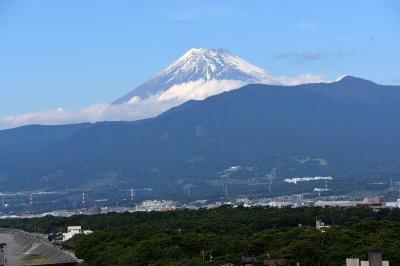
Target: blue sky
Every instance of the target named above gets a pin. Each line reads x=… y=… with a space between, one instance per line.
x=75 y=53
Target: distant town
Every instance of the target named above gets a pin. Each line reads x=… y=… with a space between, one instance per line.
x=294 y=201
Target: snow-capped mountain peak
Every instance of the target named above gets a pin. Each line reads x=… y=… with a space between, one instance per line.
x=214 y=64
x=200 y=64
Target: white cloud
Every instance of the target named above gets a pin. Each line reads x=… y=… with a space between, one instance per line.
x=200 y=89
x=304 y=57
x=302 y=79
x=94 y=113
x=340 y=77
x=137 y=108
x=134 y=99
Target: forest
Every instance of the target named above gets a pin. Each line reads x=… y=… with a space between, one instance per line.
x=222 y=236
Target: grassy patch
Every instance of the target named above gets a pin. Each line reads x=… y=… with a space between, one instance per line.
x=36 y=259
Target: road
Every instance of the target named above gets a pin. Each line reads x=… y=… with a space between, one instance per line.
x=13 y=251
x=24 y=248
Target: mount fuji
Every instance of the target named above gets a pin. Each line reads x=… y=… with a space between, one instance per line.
x=210 y=70
x=196 y=75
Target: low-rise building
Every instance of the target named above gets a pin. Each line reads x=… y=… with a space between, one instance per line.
x=337 y=203
x=372 y=201
x=352 y=262
x=75 y=230
x=71 y=231
x=374 y=259
x=320 y=225
x=156 y=205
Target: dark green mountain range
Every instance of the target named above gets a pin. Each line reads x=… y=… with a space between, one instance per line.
x=348 y=129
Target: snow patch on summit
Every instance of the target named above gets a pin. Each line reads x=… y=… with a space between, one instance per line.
x=214 y=64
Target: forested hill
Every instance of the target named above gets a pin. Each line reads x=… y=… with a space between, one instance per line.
x=182 y=237
x=348 y=128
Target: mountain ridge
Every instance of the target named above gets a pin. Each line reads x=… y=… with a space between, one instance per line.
x=259 y=127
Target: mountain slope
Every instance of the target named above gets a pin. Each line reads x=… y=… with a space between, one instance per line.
x=32 y=137
x=348 y=128
x=200 y=64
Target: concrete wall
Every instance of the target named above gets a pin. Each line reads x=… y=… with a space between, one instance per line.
x=352 y=262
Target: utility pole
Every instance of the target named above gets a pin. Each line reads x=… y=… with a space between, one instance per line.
x=3 y=259
x=270 y=177
x=187 y=188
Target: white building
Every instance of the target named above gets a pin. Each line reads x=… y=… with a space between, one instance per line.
x=75 y=230
x=280 y=204
x=393 y=204
x=352 y=262
x=366 y=263
x=156 y=205
x=339 y=203
x=320 y=225
x=357 y=262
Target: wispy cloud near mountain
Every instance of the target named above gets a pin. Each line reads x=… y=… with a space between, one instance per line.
x=307 y=56
x=137 y=108
x=198 y=74
x=93 y=113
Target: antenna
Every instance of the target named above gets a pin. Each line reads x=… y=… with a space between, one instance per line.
x=133 y=193
x=187 y=188
x=30 y=199
x=83 y=198
x=270 y=178
x=226 y=190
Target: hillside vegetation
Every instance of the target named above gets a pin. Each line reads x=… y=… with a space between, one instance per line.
x=218 y=236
